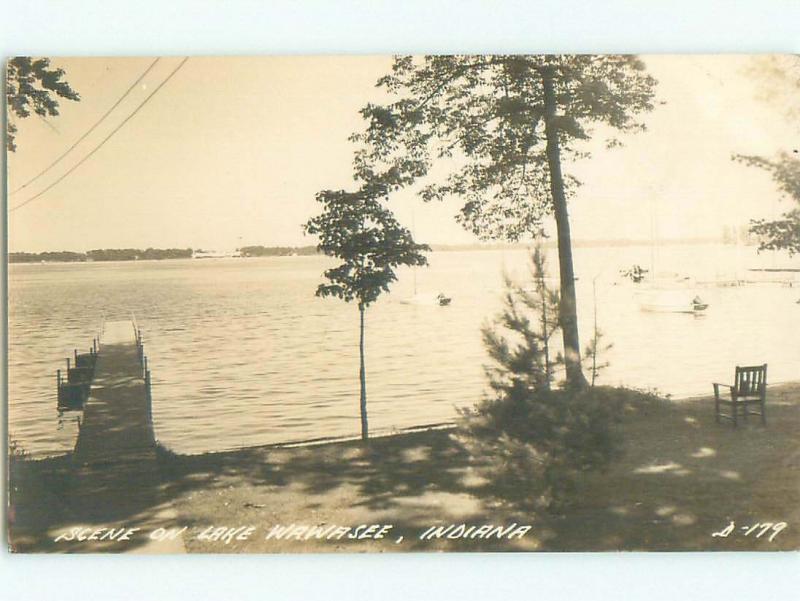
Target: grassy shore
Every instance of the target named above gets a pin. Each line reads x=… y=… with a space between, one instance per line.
x=681 y=478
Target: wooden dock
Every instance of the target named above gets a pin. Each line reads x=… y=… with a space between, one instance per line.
x=116 y=479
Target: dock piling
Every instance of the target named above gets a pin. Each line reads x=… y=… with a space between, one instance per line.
x=74 y=387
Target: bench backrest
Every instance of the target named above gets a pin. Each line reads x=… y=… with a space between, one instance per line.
x=751 y=379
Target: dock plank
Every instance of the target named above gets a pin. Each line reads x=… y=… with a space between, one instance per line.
x=116 y=479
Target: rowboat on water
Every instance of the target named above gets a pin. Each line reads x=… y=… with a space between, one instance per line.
x=673 y=302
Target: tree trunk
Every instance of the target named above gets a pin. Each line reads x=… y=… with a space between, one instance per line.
x=363 y=377
x=569 y=305
x=548 y=370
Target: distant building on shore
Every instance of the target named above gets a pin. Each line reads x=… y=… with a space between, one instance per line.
x=213 y=254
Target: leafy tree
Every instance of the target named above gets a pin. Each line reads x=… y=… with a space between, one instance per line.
x=783 y=233
x=778 y=78
x=509 y=122
x=357 y=228
x=32 y=87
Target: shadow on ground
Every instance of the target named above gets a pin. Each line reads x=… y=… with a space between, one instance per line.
x=111 y=480
x=681 y=478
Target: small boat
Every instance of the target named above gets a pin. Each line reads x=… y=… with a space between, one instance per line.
x=428 y=299
x=673 y=302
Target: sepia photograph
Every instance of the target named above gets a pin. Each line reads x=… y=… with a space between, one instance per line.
x=403 y=303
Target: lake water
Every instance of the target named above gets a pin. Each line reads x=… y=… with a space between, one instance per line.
x=242 y=352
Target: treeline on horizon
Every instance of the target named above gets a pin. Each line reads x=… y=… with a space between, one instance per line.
x=137 y=254
x=101 y=254
x=276 y=251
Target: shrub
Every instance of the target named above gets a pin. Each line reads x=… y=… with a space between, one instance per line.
x=529 y=441
x=532 y=447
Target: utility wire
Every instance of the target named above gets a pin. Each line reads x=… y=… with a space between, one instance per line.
x=106 y=139
x=90 y=130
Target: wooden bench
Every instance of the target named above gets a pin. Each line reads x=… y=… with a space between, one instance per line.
x=749 y=388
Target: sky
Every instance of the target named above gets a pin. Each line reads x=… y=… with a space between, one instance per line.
x=232 y=151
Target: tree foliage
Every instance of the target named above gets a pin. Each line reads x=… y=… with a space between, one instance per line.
x=530 y=315
x=358 y=229
x=517 y=346
x=489 y=110
x=778 y=78
x=528 y=440
x=32 y=87
x=783 y=233
x=502 y=125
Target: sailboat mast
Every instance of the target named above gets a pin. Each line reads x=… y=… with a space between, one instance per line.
x=652 y=236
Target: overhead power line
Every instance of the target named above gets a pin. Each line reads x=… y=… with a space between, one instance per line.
x=89 y=131
x=106 y=139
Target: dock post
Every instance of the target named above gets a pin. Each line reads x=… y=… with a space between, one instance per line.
x=58 y=379
x=148 y=395
x=67 y=365
x=146 y=371
x=76 y=357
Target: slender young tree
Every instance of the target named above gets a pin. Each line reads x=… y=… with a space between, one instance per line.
x=358 y=229
x=528 y=315
x=32 y=88
x=533 y=443
x=547 y=303
x=508 y=123
x=596 y=345
x=543 y=302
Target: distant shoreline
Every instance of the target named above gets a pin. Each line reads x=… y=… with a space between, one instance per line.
x=150 y=254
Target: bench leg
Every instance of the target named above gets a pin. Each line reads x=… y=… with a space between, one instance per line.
x=735 y=412
x=763 y=413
